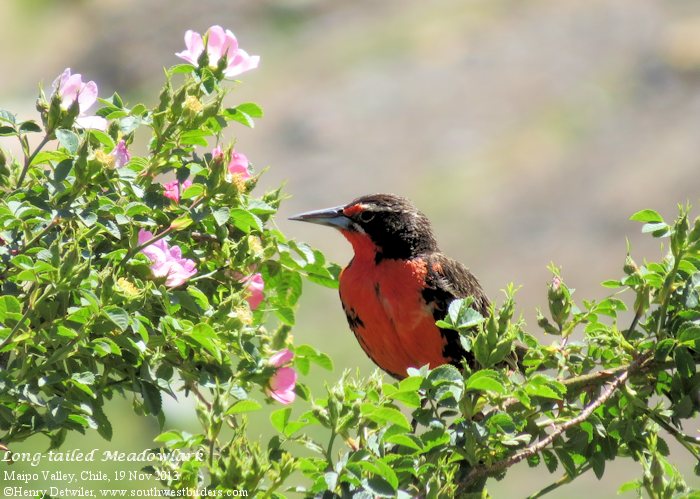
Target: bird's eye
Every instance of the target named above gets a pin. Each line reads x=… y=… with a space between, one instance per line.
x=366 y=216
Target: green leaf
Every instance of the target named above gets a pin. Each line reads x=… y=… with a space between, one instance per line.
x=10 y=309
x=7 y=116
x=384 y=415
x=181 y=222
x=445 y=373
x=598 y=462
x=656 y=229
x=630 y=486
x=62 y=169
x=86 y=378
x=323 y=361
x=130 y=123
x=102 y=138
x=411 y=399
x=689 y=334
x=245 y=220
x=105 y=346
x=251 y=109
x=192 y=191
x=221 y=215
x=68 y=139
x=194 y=137
x=169 y=437
x=205 y=336
x=664 y=348
x=248 y=405
x=647 y=216
x=486 y=380
x=567 y=462
x=241 y=117
x=181 y=68
x=542 y=386
x=684 y=362
x=285 y=315
x=118 y=316
x=550 y=460
x=152 y=399
x=379 y=487
x=29 y=126
x=280 y=418
x=409 y=441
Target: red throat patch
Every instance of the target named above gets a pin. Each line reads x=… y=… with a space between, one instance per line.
x=362 y=245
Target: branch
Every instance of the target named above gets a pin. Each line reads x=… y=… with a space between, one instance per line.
x=28 y=159
x=481 y=472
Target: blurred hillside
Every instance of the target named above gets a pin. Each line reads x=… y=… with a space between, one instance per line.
x=527 y=131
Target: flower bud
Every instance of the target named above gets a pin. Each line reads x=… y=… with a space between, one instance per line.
x=559 y=301
x=321 y=414
x=630 y=266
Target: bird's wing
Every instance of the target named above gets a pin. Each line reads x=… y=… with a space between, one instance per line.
x=447 y=280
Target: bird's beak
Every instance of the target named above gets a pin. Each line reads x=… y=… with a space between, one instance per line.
x=332 y=217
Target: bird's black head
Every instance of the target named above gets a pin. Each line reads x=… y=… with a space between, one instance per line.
x=393 y=226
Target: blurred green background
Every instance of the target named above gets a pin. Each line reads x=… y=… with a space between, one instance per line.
x=528 y=131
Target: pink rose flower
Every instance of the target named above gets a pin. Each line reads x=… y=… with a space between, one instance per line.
x=167 y=262
x=255 y=286
x=70 y=88
x=121 y=154
x=282 y=383
x=174 y=189
x=239 y=165
x=219 y=44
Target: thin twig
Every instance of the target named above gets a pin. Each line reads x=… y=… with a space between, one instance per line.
x=37 y=237
x=689 y=442
x=28 y=159
x=566 y=478
x=193 y=388
x=480 y=472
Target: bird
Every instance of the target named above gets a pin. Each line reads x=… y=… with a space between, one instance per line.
x=399 y=283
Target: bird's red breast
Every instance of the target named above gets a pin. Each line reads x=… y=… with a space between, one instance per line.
x=387 y=311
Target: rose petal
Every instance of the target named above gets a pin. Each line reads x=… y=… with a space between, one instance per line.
x=121 y=154
x=87 y=96
x=281 y=358
x=239 y=165
x=144 y=236
x=240 y=63
x=216 y=44
x=231 y=44
x=195 y=47
x=281 y=385
x=255 y=287
x=283 y=396
x=60 y=80
x=96 y=122
x=70 y=89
